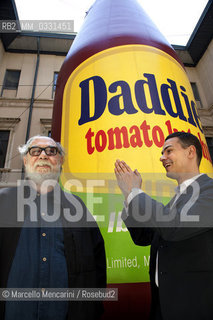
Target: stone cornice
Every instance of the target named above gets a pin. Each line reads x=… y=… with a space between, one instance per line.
x=206 y=112
x=20 y=103
x=208 y=131
x=8 y=122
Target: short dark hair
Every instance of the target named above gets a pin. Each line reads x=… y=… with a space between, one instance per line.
x=187 y=139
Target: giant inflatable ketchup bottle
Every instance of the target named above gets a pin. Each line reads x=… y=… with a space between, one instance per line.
x=121 y=90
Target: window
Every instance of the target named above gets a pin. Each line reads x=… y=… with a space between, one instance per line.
x=210 y=146
x=46 y=127
x=55 y=77
x=4 y=137
x=11 y=79
x=196 y=95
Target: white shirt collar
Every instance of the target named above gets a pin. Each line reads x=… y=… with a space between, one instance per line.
x=182 y=187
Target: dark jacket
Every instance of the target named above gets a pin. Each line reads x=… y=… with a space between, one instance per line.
x=185 y=252
x=84 y=250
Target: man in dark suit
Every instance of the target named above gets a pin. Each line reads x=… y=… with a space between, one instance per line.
x=180 y=233
x=48 y=239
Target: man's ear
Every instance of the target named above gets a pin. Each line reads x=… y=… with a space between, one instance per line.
x=192 y=152
x=24 y=160
x=62 y=160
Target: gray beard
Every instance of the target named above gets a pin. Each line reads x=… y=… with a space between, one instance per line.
x=39 y=178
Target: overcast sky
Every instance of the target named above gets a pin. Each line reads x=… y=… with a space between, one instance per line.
x=176 y=19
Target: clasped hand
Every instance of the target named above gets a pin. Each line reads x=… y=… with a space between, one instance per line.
x=126 y=178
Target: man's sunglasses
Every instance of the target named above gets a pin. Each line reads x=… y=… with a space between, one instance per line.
x=36 y=151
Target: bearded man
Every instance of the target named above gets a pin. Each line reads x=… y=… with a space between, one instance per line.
x=48 y=239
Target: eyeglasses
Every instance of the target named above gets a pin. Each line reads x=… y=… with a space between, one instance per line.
x=36 y=151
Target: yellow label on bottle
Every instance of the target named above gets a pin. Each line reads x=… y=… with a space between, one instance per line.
x=121 y=103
